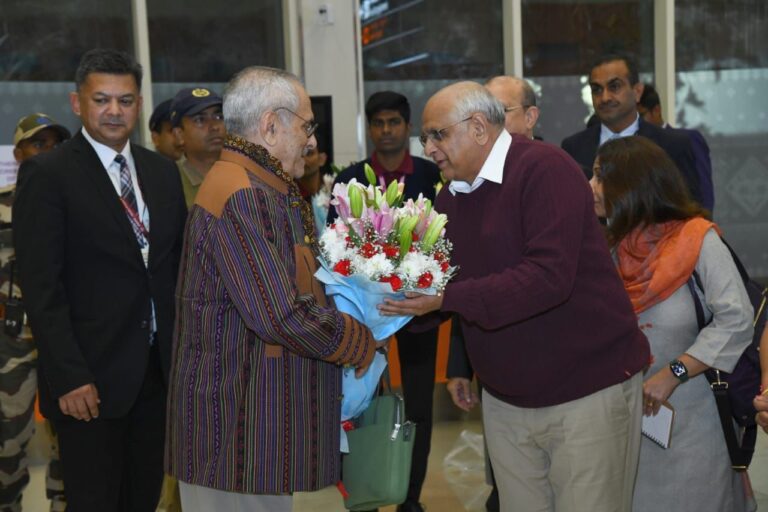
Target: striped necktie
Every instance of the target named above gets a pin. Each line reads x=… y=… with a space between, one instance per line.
x=128 y=198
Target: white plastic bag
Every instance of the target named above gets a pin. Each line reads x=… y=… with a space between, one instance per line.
x=464 y=470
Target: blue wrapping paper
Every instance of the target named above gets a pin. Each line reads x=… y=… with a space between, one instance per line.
x=358 y=393
x=358 y=296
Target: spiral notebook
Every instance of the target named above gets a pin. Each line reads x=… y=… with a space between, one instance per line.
x=659 y=428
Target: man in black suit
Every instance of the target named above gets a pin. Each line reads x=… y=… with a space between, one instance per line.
x=616 y=89
x=649 y=108
x=98 y=228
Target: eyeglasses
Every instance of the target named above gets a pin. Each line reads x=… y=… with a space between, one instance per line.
x=438 y=135
x=309 y=127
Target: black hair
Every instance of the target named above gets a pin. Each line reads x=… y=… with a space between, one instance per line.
x=630 y=61
x=387 y=100
x=650 y=97
x=104 y=60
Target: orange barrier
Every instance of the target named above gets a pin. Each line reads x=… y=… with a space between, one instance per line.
x=443 y=342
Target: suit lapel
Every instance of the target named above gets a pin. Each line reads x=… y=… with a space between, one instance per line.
x=90 y=164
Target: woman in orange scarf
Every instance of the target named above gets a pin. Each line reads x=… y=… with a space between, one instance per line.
x=659 y=238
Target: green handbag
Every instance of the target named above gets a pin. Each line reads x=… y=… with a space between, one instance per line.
x=377 y=468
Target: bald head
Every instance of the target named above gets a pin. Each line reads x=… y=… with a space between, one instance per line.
x=519 y=100
x=465 y=98
x=460 y=124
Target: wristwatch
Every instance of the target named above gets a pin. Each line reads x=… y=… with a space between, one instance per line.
x=679 y=370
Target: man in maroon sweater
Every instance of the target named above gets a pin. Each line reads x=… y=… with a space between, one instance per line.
x=549 y=328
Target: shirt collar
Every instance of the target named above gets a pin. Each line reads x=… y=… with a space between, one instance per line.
x=492 y=169
x=606 y=134
x=404 y=169
x=193 y=175
x=105 y=153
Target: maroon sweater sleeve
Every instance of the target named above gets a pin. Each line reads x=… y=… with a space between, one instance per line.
x=552 y=227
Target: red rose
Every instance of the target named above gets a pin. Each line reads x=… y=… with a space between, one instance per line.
x=343 y=267
x=391 y=251
x=439 y=256
x=425 y=280
x=444 y=266
x=368 y=250
x=395 y=282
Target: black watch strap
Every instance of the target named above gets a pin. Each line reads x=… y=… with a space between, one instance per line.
x=679 y=370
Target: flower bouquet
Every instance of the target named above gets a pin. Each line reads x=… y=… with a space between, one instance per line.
x=380 y=248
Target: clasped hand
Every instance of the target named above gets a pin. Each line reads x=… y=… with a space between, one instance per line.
x=81 y=403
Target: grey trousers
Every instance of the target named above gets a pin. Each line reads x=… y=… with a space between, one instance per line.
x=580 y=456
x=195 y=498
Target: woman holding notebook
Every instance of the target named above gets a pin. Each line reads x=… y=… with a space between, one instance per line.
x=661 y=240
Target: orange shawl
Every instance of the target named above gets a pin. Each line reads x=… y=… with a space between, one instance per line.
x=655 y=261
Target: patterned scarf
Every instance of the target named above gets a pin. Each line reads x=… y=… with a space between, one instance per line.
x=655 y=261
x=261 y=156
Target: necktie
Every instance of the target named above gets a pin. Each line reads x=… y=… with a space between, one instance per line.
x=128 y=198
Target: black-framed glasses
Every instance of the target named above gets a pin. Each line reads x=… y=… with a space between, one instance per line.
x=438 y=135
x=309 y=127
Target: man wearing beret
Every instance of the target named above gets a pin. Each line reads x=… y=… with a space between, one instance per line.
x=199 y=127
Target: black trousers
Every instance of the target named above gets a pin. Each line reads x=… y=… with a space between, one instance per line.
x=116 y=464
x=418 y=352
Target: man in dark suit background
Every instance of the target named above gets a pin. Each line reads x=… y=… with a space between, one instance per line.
x=616 y=89
x=649 y=108
x=98 y=228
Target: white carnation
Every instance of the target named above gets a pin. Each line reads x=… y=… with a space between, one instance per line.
x=374 y=267
x=334 y=246
x=415 y=264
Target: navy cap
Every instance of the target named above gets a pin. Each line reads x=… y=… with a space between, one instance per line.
x=161 y=114
x=192 y=100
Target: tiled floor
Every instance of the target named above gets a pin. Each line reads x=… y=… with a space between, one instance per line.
x=438 y=494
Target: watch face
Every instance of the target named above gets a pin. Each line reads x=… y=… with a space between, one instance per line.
x=678 y=368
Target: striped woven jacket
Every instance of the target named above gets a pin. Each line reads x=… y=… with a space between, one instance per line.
x=253 y=402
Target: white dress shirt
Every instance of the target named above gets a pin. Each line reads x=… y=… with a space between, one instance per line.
x=492 y=169
x=606 y=134
x=107 y=157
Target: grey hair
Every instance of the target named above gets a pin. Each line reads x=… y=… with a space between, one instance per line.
x=478 y=99
x=253 y=92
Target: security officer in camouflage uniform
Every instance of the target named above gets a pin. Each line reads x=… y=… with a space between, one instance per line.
x=36 y=133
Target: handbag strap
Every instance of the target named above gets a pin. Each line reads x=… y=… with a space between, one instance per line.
x=738 y=455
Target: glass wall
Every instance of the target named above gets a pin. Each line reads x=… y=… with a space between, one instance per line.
x=415 y=47
x=40 y=45
x=197 y=43
x=560 y=41
x=191 y=42
x=722 y=76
